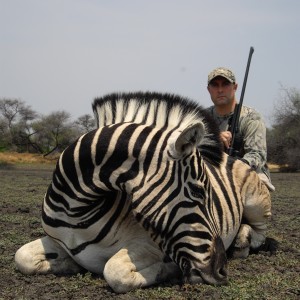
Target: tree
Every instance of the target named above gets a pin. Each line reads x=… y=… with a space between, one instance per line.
x=15 y=123
x=85 y=123
x=23 y=130
x=284 y=137
x=54 y=132
x=9 y=109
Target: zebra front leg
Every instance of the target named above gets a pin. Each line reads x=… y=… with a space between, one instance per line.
x=242 y=244
x=257 y=213
x=137 y=267
x=44 y=256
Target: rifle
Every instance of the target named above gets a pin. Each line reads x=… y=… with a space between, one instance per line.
x=237 y=111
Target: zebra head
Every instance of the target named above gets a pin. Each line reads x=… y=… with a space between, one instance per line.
x=179 y=211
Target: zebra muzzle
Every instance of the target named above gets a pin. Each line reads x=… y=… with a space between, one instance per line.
x=215 y=271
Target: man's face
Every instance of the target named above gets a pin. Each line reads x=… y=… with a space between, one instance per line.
x=222 y=91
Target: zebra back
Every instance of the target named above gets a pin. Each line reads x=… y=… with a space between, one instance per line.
x=162 y=111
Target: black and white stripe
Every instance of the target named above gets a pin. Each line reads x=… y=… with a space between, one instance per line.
x=162 y=111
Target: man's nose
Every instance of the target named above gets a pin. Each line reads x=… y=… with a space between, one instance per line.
x=220 y=88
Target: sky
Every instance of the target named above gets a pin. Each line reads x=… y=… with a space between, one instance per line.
x=61 y=54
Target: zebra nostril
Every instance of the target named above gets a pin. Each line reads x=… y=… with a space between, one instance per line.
x=222 y=273
x=219 y=260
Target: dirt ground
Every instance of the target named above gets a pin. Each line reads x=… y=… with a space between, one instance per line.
x=270 y=274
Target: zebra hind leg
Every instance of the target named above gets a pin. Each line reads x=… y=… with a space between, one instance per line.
x=247 y=241
x=44 y=256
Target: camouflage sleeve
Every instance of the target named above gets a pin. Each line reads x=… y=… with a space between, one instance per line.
x=253 y=131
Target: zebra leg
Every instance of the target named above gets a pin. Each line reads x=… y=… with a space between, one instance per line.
x=44 y=256
x=241 y=246
x=257 y=213
x=136 y=267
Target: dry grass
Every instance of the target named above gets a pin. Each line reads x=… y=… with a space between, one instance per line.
x=275 y=168
x=28 y=158
x=25 y=158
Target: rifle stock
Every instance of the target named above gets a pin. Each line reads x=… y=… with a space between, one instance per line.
x=238 y=107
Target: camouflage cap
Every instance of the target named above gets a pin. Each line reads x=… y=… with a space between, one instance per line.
x=223 y=72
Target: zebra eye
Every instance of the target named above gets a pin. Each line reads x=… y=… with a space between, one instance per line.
x=196 y=191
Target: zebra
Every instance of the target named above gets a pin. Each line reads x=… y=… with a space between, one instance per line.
x=147 y=196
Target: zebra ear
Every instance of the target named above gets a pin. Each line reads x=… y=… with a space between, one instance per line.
x=183 y=142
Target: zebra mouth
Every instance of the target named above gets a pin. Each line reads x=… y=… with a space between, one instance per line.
x=214 y=272
x=219 y=277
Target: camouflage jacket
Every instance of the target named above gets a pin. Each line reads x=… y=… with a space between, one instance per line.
x=251 y=138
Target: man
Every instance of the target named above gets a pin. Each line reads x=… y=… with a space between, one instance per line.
x=250 y=143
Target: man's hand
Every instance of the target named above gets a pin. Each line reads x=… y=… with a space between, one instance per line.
x=226 y=137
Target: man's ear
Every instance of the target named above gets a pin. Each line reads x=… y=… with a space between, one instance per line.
x=183 y=142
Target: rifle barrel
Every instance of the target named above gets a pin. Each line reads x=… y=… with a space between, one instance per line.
x=237 y=111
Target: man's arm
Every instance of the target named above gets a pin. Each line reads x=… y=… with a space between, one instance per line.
x=254 y=134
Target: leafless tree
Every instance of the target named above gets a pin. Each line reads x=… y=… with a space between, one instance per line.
x=284 y=137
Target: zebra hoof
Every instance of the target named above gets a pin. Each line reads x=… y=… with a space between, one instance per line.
x=240 y=252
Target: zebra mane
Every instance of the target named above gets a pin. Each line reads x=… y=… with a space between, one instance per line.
x=160 y=110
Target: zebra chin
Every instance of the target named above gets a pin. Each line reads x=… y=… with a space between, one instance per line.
x=213 y=273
